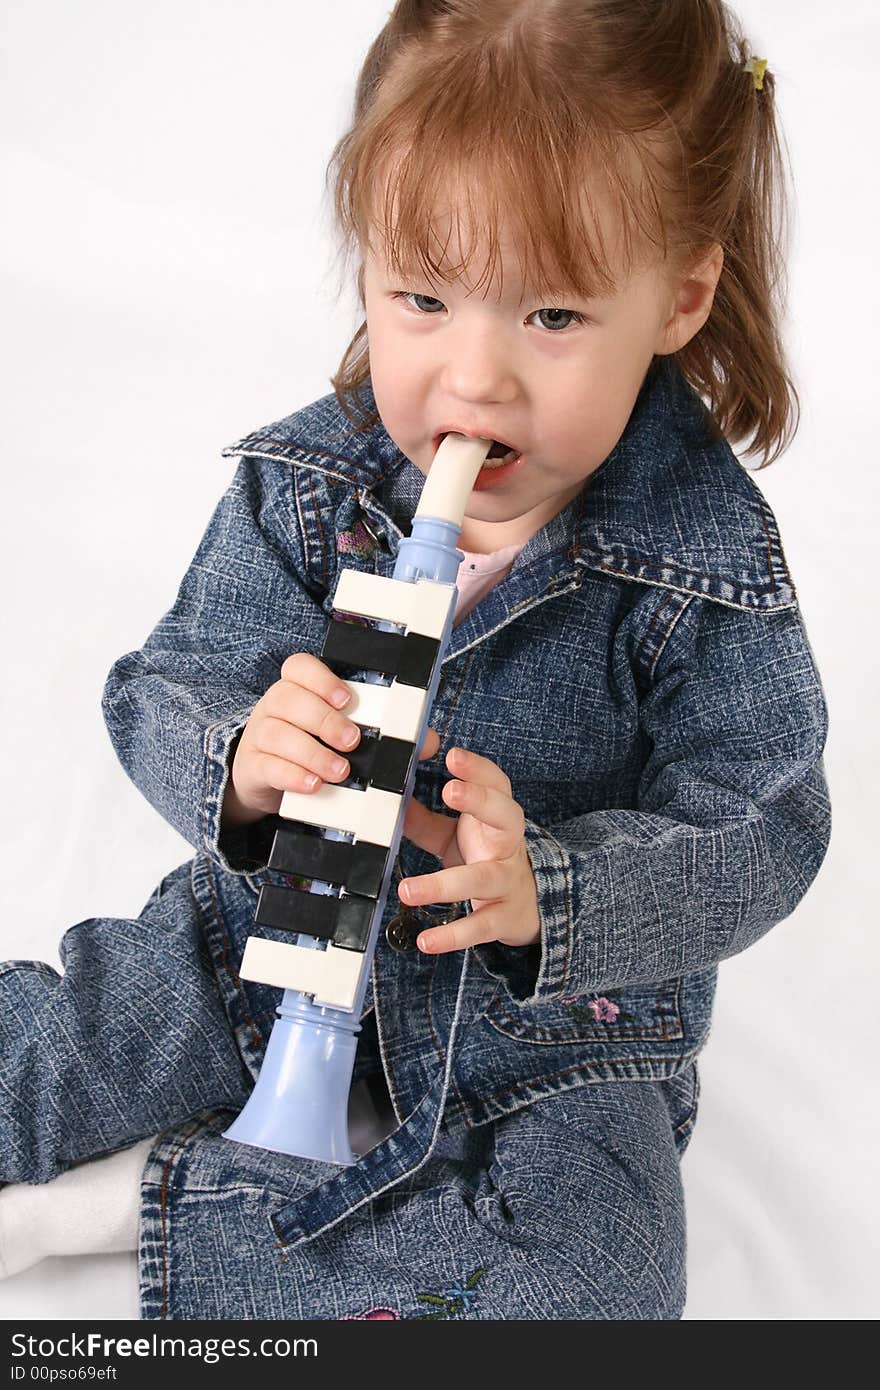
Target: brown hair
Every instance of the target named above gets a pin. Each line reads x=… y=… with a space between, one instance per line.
x=524 y=103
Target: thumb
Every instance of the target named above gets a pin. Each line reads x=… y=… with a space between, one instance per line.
x=430 y=745
x=431 y=831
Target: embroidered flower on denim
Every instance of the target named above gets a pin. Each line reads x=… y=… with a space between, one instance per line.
x=603 y=1010
x=454 y=1301
x=358 y=541
x=599 y=1010
x=449 y=1303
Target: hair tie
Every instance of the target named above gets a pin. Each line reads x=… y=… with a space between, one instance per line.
x=757 y=67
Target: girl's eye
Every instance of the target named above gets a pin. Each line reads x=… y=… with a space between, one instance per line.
x=554 y=325
x=553 y=315
x=407 y=295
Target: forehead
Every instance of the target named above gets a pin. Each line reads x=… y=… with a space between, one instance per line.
x=466 y=232
x=475 y=258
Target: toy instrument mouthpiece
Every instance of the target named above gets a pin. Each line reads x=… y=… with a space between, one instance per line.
x=450 y=482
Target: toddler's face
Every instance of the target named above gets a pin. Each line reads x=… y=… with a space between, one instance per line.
x=445 y=356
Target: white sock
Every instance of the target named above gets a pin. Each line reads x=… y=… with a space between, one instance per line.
x=92 y=1208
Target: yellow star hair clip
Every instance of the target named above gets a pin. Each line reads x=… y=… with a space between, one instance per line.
x=757 y=67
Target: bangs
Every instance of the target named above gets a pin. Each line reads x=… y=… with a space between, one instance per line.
x=436 y=166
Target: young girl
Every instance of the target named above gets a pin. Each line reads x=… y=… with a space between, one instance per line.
x=564 y=222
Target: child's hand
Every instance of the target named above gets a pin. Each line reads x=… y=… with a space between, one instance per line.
x=279 y=749
x=483 y=852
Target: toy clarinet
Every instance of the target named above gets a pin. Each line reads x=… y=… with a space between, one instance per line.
x=346 y=838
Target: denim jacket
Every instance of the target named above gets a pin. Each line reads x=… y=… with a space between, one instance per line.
x=642 y=675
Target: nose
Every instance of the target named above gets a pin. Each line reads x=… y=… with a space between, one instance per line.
x=477 y=366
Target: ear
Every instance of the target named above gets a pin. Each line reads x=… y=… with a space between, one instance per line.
x=691 y=302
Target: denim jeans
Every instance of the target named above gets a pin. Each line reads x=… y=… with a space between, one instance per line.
x=571 y=1207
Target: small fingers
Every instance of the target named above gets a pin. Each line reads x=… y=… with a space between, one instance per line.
x=310 y=697
x=308 y=671
x=306 y=709
x=281 y=774
x=477 y=769
x=484 y=879
x=494 y=807
x=306 y=757
x=479 y=927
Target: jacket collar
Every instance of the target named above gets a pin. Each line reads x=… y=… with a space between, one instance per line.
x=671 y=505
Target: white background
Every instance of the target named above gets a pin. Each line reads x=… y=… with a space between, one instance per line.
x=168 y=284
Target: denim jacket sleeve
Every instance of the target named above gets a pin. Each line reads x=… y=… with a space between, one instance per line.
x=175 y=709
x=731 y=825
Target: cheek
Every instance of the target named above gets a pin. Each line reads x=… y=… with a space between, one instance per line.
x=392 y=389
x=382 y=357
x=383 y=342
x=586 y=418
x=389 y=382
x=393 y=369
x=576 y=413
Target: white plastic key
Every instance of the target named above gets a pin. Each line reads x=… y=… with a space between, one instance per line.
x=397 y=711
x=331 y=975
x=370 y=814
x=421 y=607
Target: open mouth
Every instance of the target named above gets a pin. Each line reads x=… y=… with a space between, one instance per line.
x=498 y=456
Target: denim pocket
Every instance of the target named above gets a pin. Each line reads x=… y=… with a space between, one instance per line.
x=649 y=1012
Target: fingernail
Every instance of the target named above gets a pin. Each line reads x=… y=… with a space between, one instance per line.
x=424 y=942
x=312 y=780
x=340 y=698
x=403 y=891
x=339 y=766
